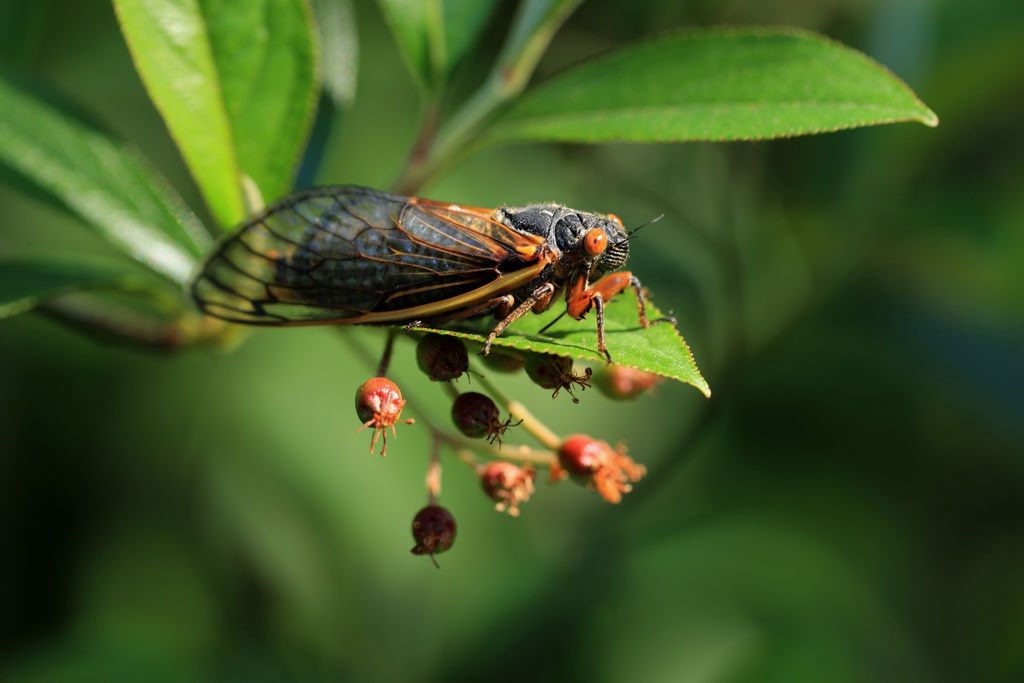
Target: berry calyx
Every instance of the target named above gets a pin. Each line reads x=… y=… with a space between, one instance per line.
x=441 y=357
x=556 y=372
x=379 y=406
x=596 y=464
x=508 y=485
x=622 y=383
x=433 y=529
x=477 y=416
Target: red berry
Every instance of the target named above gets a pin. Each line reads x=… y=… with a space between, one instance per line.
x=623 y=383
x=379 y=405
x=608 y=471
x=581 y=455
x=556 y=372
x=501 y=360
x=433 y=529
x=507 y=485
x=442 y=357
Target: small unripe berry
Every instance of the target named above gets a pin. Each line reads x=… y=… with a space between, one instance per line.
x=477 y=416
x=556 y=372
x=379 y=406
x=433 y=529
x=501 y=360
x=623 y=383
x=442 y=357
x=507 y=485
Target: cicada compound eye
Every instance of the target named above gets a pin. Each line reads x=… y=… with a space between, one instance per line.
x=595 y=241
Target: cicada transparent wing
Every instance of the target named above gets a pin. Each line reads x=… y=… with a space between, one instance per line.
x=349 y=254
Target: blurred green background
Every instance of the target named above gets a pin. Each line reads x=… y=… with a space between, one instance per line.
x=847 y=506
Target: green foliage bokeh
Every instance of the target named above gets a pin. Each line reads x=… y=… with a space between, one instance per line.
x=845 y=508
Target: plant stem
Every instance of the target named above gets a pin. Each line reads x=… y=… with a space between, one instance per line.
x=111 y=323
x=433 y=480
x=531 y=424
x=535 y=25
x=385 y=358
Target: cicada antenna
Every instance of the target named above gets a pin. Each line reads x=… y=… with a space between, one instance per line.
x=629 y=235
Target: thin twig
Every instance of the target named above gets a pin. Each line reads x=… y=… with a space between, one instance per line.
x=385 y=359
x=434 y=471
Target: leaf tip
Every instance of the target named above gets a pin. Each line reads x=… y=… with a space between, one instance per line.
x=929 y=118
x=703 y=387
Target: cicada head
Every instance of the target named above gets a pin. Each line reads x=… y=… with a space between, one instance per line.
x=591 y=240
x=605 y=242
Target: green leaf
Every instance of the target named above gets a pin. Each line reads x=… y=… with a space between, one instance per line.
x=659 y=348
x=107 y=185
x=717 y=84
x=267 y=59
x=236 y=83
x=433 y=35
x=25 y=281
x=172 y=53
x=339 y=49
x=463 y=22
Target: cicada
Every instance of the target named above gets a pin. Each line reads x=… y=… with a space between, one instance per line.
x=354 y=255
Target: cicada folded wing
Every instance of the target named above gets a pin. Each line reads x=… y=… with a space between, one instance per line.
x=353 y=255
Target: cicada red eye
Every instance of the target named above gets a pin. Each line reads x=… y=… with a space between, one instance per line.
x=595 y=241
x=615 y=219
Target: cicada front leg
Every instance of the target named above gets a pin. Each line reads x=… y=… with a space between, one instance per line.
x=583 y=297
x=540 y=296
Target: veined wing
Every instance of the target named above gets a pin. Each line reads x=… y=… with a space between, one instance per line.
x=349 y=254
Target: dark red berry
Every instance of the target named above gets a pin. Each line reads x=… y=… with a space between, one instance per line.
x=501 y=360
x=507 y=485
x=623 y=383
x=379 y=405
x=556 y=373
x=477 y=416
x=433 y=529
x=474 y=413
x=441 y=357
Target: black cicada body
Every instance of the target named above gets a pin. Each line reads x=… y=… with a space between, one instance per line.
x=352 y=255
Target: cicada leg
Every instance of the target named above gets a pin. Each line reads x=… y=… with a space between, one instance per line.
x=539 y=295
x=582 y=298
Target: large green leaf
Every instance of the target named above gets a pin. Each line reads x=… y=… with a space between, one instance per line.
x=27 y=280
x=433 y=35
x=106 y=184
x=659 y=348
x=236 y=83
x=717 y=84
x=267 y=57
x=170 y=45
x=339 y=49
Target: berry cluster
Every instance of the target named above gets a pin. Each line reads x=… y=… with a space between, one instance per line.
x=506 y=472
